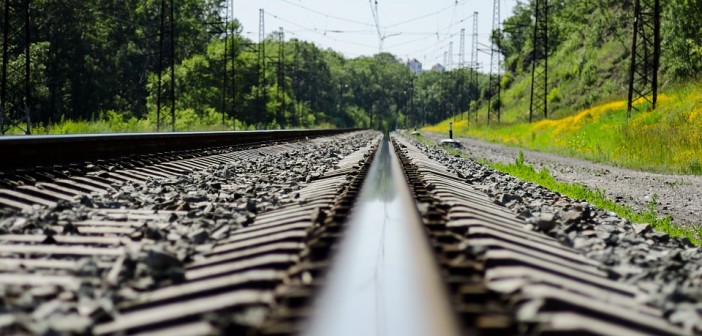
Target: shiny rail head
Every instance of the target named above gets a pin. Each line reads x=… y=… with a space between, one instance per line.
x=385 y=279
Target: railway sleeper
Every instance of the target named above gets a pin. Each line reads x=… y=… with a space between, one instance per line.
x=507 y=280
x=247 y=264
x=268 y=289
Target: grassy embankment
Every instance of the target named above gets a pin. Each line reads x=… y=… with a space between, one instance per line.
x=595 y=197
x=667 y=140
x=587 y=119
x=111 y=122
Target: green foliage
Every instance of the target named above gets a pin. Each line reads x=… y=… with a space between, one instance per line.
x=589 y=53
x=666 y=140
x=588 y=66
x=682 y=37
x=96 y=64
x=95 y=56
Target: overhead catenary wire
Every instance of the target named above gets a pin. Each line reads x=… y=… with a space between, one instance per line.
x=376 y=19
x=424 y=16
x=345 y=32
x=441 y=41
x=315 y=31
x=329 y=15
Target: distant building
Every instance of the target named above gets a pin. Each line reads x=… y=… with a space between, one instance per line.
x=415 y=66
x=438 y=67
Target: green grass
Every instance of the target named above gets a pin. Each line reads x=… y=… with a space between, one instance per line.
x=598 y=198
x=587 y=108
x=112 y=122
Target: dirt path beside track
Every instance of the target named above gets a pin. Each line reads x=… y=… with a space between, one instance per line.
x=679 y=196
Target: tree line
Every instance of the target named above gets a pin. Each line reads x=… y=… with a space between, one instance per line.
x=100 y=59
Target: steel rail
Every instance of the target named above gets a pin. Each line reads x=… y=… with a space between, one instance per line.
x=20 y=152
x=385 y=279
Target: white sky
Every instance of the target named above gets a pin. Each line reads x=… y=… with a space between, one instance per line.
x=418 y=29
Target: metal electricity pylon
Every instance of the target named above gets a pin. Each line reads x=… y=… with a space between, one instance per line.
x=166 y=27
x=474 y=56
x=411 y=115
x=645 y=54
x=261 y=92
x=462 y=49
x=495 y=64
x=281 y=77
x=539 y=69
x=225 y=57
x=444 y=90
x=15 y=88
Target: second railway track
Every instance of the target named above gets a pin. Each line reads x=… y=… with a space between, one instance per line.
x=260 y=240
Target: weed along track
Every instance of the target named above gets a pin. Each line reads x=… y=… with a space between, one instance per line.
x=344 y=234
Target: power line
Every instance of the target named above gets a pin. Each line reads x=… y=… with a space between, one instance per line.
x=411 y=42
x=442 y=40
x=328 y=15
x=424 y=16
x=446 y=32
x=313 y=30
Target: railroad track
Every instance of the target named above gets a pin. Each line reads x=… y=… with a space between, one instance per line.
x=342 y=233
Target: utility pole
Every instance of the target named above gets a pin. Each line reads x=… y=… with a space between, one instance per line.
x=16 y=96
x=539 y=68
x=161 y=32
x=474 y=57
x=297 y=108
x=462 y=49
x=261 y=64
x=281 y=77
x=162 y=56
x=645 y=54
x=495 y=64
x=448 y=83
x=226 y=52
x=462 y=64
x=376 y=18
x=173 y=57
x=233 y=74
x=444 y=95
x=413 y=118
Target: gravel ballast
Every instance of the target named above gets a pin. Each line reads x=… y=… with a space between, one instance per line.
x=668 y=270
x=676 y=193
x=183 y=217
